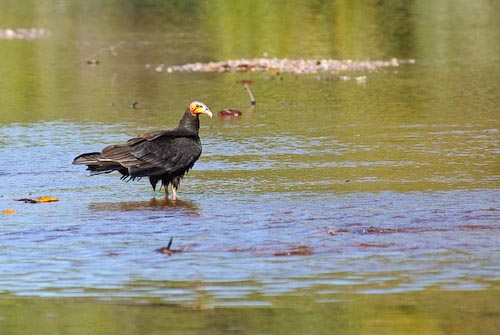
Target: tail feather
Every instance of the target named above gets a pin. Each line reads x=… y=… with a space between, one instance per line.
x=97 y=164
x=88 y=158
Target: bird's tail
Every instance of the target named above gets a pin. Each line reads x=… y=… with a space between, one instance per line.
x=88 y=158
x=97 y=164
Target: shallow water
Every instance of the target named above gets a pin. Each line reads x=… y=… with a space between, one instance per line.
x=376 y=200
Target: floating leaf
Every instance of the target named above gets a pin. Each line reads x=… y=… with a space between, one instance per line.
x=46 y=199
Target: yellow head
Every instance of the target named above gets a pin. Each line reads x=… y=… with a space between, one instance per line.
x=197 y=107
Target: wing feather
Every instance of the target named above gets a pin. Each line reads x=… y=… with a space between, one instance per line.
x=171 y=151
x=156 y=153
x=152 y=154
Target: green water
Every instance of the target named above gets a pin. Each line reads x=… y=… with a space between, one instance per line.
x=425 y=312
x=384 y=193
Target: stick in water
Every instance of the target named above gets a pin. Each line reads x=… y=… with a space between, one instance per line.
x=246 y=83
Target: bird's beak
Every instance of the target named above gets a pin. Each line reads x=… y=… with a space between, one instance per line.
x=205 y=110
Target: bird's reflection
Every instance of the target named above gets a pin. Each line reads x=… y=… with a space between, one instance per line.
x=154 y=204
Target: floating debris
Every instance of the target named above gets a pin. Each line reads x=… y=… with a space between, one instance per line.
x=38 y=200
x=9 y=211
x=246 y=83
x=23 y=33
x=297 y=66
x=93 y=62
x=377 y=230
x=229 y=113
x=160 y=68
x=167 y=250
x=112 y=49
x=300 y=250
x=338 y=231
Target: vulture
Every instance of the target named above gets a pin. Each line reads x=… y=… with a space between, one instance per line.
x=164 y=156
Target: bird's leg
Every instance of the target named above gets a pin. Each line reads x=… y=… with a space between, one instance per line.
x=164 y=183
x=174 y=193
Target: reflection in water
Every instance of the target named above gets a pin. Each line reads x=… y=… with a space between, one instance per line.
x=154 y=204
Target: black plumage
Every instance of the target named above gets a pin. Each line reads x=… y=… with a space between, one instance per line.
x=163 y=156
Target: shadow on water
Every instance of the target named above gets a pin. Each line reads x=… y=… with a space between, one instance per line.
x=154 y=204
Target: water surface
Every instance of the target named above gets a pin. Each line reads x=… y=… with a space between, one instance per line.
x=333 y=205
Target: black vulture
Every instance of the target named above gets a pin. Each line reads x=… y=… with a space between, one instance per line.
x=164 y=155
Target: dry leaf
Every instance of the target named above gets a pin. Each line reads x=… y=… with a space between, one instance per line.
x=46 y=199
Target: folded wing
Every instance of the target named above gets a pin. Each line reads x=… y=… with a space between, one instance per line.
x=152 y=154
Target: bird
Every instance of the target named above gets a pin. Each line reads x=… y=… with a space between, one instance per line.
x=164 y=156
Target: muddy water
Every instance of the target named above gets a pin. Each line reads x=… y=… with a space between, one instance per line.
x=346 y=202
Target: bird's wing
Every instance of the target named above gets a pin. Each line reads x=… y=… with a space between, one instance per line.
x=156 y=152
x=171 y=150
x=119 y=153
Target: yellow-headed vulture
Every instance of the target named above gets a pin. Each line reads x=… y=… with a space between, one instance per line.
x=164 y=155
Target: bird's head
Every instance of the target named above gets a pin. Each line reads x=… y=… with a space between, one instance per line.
x=197 y=108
